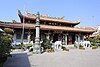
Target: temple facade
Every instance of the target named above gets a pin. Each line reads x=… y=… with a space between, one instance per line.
x=52 y=28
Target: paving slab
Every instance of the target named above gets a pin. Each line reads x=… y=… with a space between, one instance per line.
x=73 y=58
x=18 y=60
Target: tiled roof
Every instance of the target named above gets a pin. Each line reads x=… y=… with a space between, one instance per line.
x=33 y=16
x=46 y=27
x=86 y=27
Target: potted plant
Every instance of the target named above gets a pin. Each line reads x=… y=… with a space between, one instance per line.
x=94 y=46
x=47 y=46
x=81 y=47
x=64 y=48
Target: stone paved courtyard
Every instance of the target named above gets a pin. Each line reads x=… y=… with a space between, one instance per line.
x=73 y=58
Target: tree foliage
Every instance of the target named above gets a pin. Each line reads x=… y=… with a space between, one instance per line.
x=5 y=45
x=9 y=30
x=95 y=40
x=46 y=44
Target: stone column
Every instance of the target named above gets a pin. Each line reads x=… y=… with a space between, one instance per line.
x=63 y=40
x=66 y=38
x=83 y=38
x=37 y=46
x=29 y=38
x=78 y=38
x=48 y=36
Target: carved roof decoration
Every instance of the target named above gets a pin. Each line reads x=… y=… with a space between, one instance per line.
x=47 y=18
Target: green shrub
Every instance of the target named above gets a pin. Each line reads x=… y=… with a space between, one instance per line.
x=21 y=45
x=46 y=44
x=50 y=50
x=5 y=47
x=94 y=46
x=27 y=45
x=95 y=40
x=64 y=48
x=81 y=47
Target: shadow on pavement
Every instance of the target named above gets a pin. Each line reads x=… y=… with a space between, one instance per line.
x=18 y=60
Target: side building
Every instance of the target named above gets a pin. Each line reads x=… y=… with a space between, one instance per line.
x=52 y=28
x=96 y=33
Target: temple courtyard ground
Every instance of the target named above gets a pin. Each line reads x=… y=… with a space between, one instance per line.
x=73 y=58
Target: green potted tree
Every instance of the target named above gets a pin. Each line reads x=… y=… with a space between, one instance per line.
x=47 y=46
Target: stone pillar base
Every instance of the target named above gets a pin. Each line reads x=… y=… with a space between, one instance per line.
x=36 y=52
x=37 y=48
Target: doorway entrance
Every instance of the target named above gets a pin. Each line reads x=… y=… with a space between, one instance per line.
x=70 y=39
